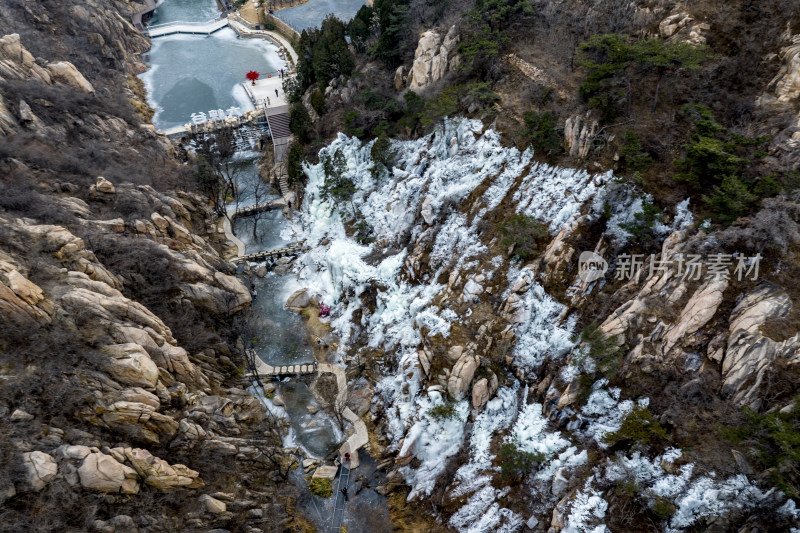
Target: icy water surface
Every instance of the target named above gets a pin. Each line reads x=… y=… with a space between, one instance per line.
x=316 y=433
x=311 y=14
x=199 y=73
x=184 y=11
x=281 y=333
x=192 y=74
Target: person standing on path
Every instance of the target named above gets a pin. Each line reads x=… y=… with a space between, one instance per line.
x=344 y=491
x=276 y=93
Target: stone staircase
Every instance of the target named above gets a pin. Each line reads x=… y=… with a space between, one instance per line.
x=283 y=181
x=279 y=125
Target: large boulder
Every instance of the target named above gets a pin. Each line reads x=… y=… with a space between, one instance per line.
x=673 y=24
x=40 y=469
x=786 y=84
x=298 y=300
x=103 y=190
x=104 y=186
x=76 y=451
x=578 y=135
x=160 y=474
x=472 y=289
x=134 y=394
x=480 y=393
x=139 y=421
x=212 y=505
x=103 y=473
x=190 y=434
x=454 y=353
x=65 y=72
x=130 y=364
x=461 y=376
x=21 y=416
x=425 y=361
x=17 y=63
x=700 y=308
x=229 y=299
x=400 y=78
x=325 y=472
x=20 y=298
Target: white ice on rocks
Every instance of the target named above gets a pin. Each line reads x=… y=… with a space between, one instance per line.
x=442 y=170
x=434 y=175
x=432 y=440
x=587 y=510
x=707 y=497
x=604 y=411
x=694 y=499
x=481 y=514
x=542 y=333
x=649 y=474
x=530 y=434
x=555 y=195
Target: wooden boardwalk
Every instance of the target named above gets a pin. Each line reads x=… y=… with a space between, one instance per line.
x=265 y=370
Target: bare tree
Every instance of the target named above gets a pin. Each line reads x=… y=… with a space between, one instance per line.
x=331 y=399
x=245 y=324
x=260 y=192
x=216 y=170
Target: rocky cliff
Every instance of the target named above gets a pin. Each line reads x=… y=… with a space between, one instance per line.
x=122 y=404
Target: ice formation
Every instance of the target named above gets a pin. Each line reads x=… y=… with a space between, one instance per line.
x=417 y=210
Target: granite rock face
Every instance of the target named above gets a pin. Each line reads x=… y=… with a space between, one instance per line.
x=103 y=473
x=40 y=469
x=434 y=57
x=750 y=355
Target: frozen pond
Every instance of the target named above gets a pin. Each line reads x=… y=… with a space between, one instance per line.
x=311 y=14
x=191 y=73
x=200 y=73
x=184 y=11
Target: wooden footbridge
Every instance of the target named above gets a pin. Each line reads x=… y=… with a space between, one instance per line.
x=270 y=254
x=189 y=28
x=249 y=210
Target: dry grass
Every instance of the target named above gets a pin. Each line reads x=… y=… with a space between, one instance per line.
x=139 y=101
x=249 y=13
